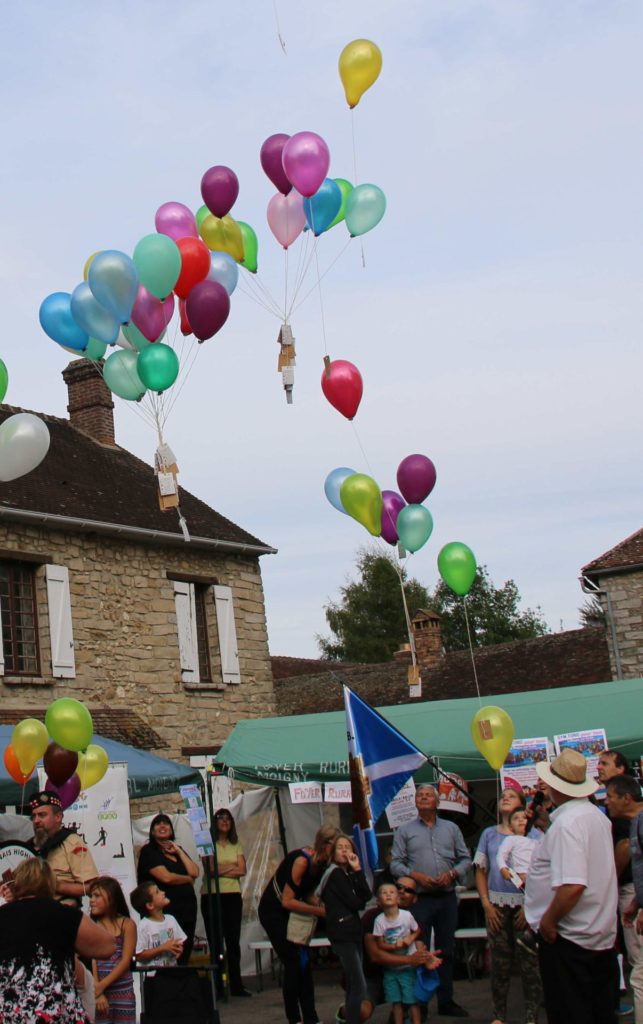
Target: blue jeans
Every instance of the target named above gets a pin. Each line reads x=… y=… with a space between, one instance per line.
x=350 y=957
x=439 y=914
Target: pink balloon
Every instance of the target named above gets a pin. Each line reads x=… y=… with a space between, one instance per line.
x=207 y=308
x=270 y=156
x=68 y=791
x=392 y=505
x=176 y=221
x=150 y=315
x=306 y=160
x=219 y=188
x=416 y=478
x=286 y=217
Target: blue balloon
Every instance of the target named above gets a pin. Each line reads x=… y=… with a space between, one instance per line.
x=223 y=270
x=91 y=316
x=56 y=321
x=322 y=208
x=113 y=279
x=333 y=486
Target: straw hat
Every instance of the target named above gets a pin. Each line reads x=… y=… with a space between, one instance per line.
x=567 y=774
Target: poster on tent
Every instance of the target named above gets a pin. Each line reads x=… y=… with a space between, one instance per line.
x=452 y=797
x=590 y=743
x=101 y=817
x=402 y=807
x=195 y=813
x=519 y=770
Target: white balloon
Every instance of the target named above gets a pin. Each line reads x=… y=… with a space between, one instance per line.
x=24 y=442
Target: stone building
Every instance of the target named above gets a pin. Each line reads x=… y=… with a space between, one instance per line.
x=616 y=578
x=102 y=598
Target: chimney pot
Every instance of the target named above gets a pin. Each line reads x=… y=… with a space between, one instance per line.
x=427 y=634
x=91 y=408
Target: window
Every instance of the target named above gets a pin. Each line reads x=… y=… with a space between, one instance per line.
x=199 y=629
x=203 y=647
x=19 y=619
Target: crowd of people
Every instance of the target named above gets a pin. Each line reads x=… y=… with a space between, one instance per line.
x=560 y=884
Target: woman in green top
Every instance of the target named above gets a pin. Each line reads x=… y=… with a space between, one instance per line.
x=229 y=868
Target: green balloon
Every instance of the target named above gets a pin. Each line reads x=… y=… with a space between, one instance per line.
x=345 y=188
x=414 y=526
x=121 y=377
x=158 y=262
x=95 y=349
x=457 y=567
x=365 y=207
x=200 y=215
x=4 y=380
x=250 y=247
x=69 y=723
x=362 y=499
x=158 y=366
x=134 y=336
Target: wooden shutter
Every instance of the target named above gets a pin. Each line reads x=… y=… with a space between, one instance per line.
x=186 y=624
x=1 y=646
x=63 y=663
x=227 y=635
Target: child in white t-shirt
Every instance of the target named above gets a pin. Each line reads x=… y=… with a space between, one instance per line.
x=515 y=853
x=160 y=936
x=396 y=930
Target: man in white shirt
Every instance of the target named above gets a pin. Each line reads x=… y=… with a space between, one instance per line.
x=571 y=898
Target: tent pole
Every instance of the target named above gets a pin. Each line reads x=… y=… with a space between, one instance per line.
x=280 y=820
x=210 y=873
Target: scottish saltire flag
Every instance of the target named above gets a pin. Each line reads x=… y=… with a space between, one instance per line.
x=380 y=760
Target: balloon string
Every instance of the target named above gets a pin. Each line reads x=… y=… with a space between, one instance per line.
x=473 y=660
x=303 y=265
x=282 y=42
x=256 y=290
x=193 y=355
x=276 y=312
x=308 y=261
x=326 y=271
x=407 y=616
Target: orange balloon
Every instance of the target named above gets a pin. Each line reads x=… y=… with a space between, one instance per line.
x=13 y=767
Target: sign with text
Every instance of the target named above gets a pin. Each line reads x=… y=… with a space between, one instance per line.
x=337 y=793
x=590 y=743
x=402 y=808
x=519 y=770
x=305 y=792
x=453 y=798
x=196 y=815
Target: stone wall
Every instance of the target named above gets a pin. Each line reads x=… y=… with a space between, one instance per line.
x=126 y=641
x=626 y=596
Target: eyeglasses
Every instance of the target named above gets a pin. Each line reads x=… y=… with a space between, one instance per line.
x=405 y=888
x=228 y=816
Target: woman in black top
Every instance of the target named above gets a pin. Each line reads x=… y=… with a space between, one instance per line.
x=344 y=892
x=293 y=881
x=164 y=862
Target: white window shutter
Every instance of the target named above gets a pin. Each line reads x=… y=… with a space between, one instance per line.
x=186 y=624
x=227 y=635
x=1 y=647
x=63 y=663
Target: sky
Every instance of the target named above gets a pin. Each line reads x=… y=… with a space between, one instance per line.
x=496 y=315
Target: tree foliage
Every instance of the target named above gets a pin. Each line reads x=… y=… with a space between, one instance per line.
x=368 y=623
x=591 y=613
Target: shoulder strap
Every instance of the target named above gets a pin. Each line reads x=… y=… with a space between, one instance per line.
x=324 y=878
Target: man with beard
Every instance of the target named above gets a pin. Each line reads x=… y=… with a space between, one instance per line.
x=65 y=852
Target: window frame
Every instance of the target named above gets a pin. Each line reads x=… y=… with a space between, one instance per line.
x=28 y=568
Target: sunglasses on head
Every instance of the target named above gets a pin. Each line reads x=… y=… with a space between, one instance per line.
x=405 y=888
x=224 y=815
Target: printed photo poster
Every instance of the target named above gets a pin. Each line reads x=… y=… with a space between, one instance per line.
x=402 y=807
x=590 y=743
x=198 y=819
x=519 y=770
x=101 y=817
x=451 y=797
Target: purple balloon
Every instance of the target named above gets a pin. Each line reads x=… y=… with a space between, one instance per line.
x=150 y=315
x=176 y=221
x=392 y=505
x=207 y=308
x=219 y=188
x=416 y=478
x=270 y=156
x=306 y=160
x=67 y=792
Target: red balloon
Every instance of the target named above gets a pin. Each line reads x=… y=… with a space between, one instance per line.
x=185 y=323
x=195 y=265
x=207 y=307
x=343 y=387
x=60 y=764
x=13 y=767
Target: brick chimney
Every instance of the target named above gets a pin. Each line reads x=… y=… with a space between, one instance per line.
x=90 y=408
x=428 y=638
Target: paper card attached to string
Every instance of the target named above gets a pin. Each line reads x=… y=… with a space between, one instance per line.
x=414 y=680
x=486 y=729
x=166 y=471
x=286 y=361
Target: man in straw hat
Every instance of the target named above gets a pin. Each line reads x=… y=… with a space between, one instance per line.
x=571 y=898
x=65 y=852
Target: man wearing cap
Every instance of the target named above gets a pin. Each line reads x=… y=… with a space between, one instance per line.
x=65 y=852
x=433 y=853
x=571 y=898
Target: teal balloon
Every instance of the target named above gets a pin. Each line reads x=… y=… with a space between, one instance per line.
x=224 y=270
x=158 y=367
x=365 y=207
x=91 y=316
x=121 y=376
x=57 y=321
x=322 y=208
x=113 y=279
x=345 y=187
x=158 y=262
x=137 y=340
x=414 y=526
x=457 y=567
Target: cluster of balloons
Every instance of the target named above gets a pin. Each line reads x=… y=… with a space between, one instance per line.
x=24 y=438
x=396 y=517
x=63 y=741
x=492 y=731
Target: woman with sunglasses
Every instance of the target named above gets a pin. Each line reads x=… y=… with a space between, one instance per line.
x=226 y=871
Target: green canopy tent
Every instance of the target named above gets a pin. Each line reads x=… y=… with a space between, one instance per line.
x=298 y=748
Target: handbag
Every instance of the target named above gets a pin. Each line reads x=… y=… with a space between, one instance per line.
x=301 y=928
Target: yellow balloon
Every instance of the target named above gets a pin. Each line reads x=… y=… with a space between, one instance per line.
x=492 y=731
x=92 y=765
x=222 y=234
x=29 y=740
x=360 y=63
x=362 y=499
x=88 y=263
